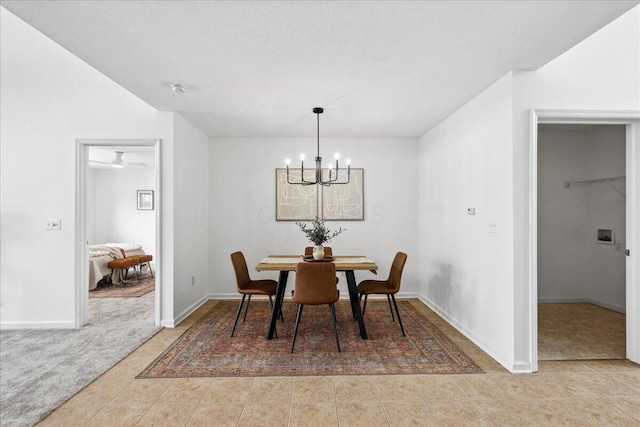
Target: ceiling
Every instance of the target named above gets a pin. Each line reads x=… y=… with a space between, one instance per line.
x=380 y=69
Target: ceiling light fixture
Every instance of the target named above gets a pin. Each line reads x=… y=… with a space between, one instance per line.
x=118 y=162
x=178 y=88
x=319 y=179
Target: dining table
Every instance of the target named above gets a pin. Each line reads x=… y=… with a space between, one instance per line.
x=346 y=263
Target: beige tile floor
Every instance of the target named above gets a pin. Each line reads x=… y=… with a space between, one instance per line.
x=572 y=393
x=580 y=331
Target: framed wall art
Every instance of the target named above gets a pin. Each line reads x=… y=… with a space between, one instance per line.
x=344 y=202
x=295 y=202
x=145 y=200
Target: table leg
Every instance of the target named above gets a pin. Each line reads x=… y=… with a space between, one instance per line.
x=355 y=304
x=277 y=306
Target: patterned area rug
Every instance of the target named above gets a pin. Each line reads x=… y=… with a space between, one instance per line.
x=206 y=349
x=131 y=289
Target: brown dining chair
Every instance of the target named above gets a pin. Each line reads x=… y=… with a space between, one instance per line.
x=246 y=286
x=308 y=251
x=315 y=285
x=388 y=287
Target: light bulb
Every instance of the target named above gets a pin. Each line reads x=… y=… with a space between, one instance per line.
x=287 y=161
x=330 y=166
x=302 y=157
x=348 y=162
x=337 y=156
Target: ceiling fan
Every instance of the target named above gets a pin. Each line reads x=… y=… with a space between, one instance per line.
x=119 y=163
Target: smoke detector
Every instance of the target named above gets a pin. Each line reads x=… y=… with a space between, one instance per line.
x=178 y=88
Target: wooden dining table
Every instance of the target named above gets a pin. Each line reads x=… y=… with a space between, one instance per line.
x=286 y=263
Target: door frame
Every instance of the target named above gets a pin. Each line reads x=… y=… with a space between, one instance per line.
x=81 y=255
x=631 y=119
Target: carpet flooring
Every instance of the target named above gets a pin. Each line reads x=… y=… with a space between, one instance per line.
x=43 y=368
x=580 y=331
x=206 y=348
x=132 y=289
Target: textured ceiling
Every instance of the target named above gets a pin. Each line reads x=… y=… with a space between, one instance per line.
x=380 y=69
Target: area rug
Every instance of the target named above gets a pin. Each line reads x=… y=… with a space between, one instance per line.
x=206 y=349
x=132 y=289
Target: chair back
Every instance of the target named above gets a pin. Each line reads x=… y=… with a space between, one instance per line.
x=315 y=283
x=240 y=267
x=308 y=251
x=395 y=275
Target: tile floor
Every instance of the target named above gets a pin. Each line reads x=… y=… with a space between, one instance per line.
x=572 y=393
x=580 y=331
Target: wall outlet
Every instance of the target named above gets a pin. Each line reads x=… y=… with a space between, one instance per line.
x=471 y=211
x=494 y=226
x=53 y=224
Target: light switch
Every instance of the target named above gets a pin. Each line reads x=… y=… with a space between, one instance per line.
x=53 y=224
x=471 y=211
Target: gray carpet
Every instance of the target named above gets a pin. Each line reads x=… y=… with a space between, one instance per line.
x=41 y=369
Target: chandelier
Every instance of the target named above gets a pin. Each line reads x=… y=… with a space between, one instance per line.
x=319 y=179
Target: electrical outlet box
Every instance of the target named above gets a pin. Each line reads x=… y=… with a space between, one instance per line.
x=471 y=211
x=494 y=226
x=53 y=224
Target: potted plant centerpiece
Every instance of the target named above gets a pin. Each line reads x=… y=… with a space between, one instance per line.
x=318 y=234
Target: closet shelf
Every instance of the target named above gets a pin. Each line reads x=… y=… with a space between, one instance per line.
x=608 y=181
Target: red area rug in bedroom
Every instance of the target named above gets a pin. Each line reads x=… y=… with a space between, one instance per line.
x=132 y=289
x=206 y=349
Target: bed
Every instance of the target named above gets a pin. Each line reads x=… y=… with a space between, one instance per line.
x=101 y=255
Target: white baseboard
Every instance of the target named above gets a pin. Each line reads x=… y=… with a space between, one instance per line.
x=172 y=323
x=37 y=325
x=567 y=300
x=510 y=365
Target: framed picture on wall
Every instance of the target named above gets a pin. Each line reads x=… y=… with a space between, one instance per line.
x=295 y=202
x=344 y=202
x=145 y=200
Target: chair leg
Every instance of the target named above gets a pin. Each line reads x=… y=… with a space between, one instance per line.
x=150 y=270
x=238 y=315
x=390 y=309
x=364 y=307
x=398 y=313
x=332 y=308
x=246 y=310
x=295 y=329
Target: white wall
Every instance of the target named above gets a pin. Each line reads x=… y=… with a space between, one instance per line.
x=117 y=218
x=50 y=98
x=571 y=266
x=465 y=273
x=242 y=200
x=191 y=210
x=600 y=73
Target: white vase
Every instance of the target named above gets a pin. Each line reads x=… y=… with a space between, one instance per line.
x=318 y=252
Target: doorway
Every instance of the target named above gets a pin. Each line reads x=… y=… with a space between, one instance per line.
x=114 y=215
x=581 y=235
x=631 y=122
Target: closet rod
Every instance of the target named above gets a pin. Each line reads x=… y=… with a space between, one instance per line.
x=594 y=181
